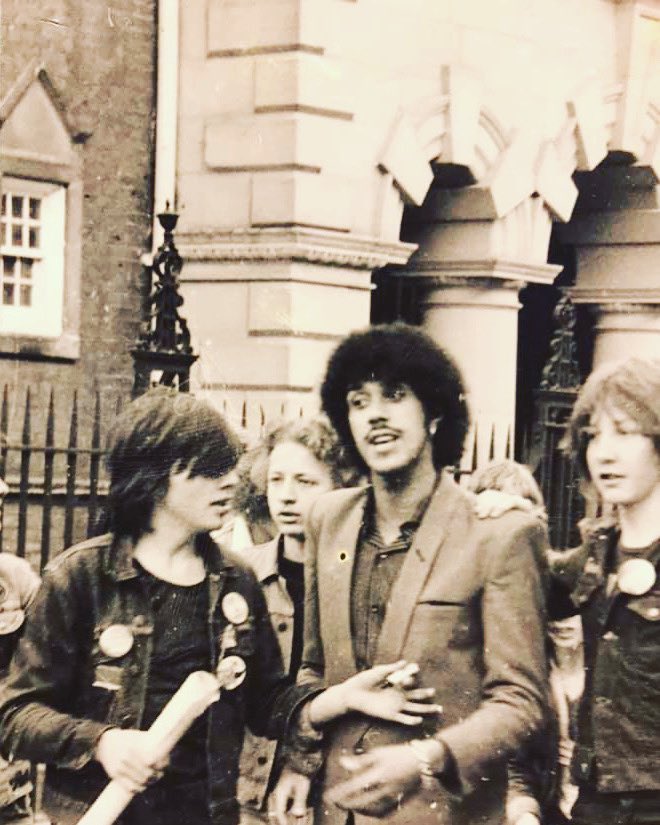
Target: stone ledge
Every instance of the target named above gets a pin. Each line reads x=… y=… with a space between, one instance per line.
x=293 y=244
x=615 y=295
x=471 y=272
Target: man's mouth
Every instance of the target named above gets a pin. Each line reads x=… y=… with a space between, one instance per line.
x=381 y=437
x=288 y=517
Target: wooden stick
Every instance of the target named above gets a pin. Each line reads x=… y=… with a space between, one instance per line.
x=198 y=691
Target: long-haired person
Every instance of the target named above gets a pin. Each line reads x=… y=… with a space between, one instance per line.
x=612 y=581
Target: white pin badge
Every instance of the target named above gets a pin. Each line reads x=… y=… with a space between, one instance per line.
x=636 y=577
x=235 y=608
x=116 y=641
x=230 y=672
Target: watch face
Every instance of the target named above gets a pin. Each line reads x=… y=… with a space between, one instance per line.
x=636 y=577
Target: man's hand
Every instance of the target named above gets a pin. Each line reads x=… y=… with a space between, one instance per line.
x=381 y=779
x=289 y=797
x=494 y=503
x=125 y=756
x=379 y=693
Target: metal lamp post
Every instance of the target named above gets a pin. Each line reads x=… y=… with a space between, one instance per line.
x=163 y=346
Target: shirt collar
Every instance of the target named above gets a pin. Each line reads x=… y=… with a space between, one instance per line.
x=406 y=527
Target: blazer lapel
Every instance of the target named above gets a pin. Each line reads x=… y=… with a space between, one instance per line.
x=429 y=540
x=335 y=572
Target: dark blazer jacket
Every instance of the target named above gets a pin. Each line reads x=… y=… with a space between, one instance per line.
x=468 y=607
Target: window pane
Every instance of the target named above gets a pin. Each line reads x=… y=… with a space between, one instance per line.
x=5 y=234
x=34 y=237
x=35 y=208
x=4 y=205
x=17 y=205
x=17 y=235
x=9 y=266
x=26 y=295
x=7 y=293
x=26 y=269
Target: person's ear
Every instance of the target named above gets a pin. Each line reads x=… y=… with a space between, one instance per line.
x=433 y=425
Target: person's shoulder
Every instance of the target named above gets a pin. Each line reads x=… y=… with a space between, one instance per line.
x=261 y=558
x=86 y=552
x=334 y=502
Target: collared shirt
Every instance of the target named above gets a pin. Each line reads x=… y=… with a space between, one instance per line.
x=377 y=565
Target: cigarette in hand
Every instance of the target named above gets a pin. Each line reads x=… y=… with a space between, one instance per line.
x=401 y=677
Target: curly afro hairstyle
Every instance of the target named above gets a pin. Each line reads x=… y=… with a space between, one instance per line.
x=399 y=354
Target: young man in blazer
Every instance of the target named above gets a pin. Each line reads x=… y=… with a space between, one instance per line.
x=403 y=569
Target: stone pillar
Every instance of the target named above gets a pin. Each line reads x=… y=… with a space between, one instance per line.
x=618 y=263
x=477 y=323
x=626 y=329
x=469 y=274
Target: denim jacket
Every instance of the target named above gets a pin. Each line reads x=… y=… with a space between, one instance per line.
x=63 y=690
x=619 y=715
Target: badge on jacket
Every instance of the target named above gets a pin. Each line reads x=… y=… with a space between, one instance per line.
x=636 y=577
x=116 y=641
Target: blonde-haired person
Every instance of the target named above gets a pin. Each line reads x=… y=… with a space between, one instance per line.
x=299 y=460
x=612 y=582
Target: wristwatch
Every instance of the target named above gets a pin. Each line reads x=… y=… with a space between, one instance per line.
x=431 y=761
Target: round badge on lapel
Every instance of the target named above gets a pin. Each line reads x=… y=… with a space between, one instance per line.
x=231 y=672
x=235 y=608
x=116 y=641
x=636 y=577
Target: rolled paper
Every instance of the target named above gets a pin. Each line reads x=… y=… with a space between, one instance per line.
x=198 y=691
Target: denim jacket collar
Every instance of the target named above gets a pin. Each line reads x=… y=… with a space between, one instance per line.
x=119 y=560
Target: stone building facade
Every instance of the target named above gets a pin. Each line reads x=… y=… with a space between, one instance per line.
x=433 y=146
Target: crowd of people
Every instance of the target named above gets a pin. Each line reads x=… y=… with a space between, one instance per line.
x=388 y=643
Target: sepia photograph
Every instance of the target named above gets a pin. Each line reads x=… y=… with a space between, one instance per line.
x=330 y=412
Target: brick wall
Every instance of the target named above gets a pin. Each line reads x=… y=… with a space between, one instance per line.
x=101 y=59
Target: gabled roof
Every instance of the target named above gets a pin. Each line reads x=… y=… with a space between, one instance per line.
x=33 y=124
x=35 y=72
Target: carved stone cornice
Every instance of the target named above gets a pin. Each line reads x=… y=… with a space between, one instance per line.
x=317 y=246
x=624 y=296
x=482 y=271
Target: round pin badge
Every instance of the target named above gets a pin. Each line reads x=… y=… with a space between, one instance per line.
x=230 y=672
x=116 y=641
x=636 y=577
x=235 y=608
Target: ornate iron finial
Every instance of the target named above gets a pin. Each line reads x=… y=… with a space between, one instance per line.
x=561 y=371
x=164 y=341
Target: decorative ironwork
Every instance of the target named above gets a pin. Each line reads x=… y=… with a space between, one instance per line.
x=554 y=469
x=164 y=346
x=561 y=371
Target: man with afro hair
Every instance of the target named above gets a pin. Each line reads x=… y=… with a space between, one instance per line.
x=403 y=569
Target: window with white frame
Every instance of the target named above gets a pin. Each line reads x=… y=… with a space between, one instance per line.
x=32 y=240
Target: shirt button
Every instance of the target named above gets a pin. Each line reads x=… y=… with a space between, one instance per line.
x=382 y=556
x=134 y=670
x=282 y=626
x=262 y=760
x=374 y=608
